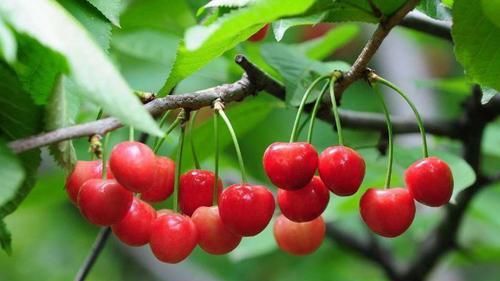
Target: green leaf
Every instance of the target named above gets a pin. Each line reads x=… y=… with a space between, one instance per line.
x=343 y=10
x=321 y=48
x=91 y=69
x=297 y=70
x=488 y=94
x=60 y=112
x=476 y=43
x=491 y=9
x=8 y=44
x=91 y=19
x=204 y=43
x=228 y=3
x=281 y=26
x=11 y=173
x=111 y=9
x=255 y=246
x=5 y=238
x=434 y=9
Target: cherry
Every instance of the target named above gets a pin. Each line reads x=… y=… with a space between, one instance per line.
x=133 y=165
x=196 y=190
x=342 y=169
x=83 y=171
x=246 y=209
x=290 y=165
x=163 y=184
x=259 y=35
x=306 y=203
x=387 y=212
x=104 y=202
x=214 y=237
x=135 y=228
x=430 y=181
x=173 y=237
x=299 y=238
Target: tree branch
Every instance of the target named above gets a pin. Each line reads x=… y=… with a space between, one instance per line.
x=100 y=242
x=422 y=23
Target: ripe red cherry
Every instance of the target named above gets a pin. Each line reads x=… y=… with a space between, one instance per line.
x=304 y=204
x=387 y=212
x=430 y=181
x=259 y=35
x=299 y=238
x=83 y=171
x=290 y=165
x=246 y=209
x=173 y=237
x=196 y=190
x=342 y=170
x=214 y=237
x=135 y=228
x=133 y=165
x=104 y=202
x=163 y=184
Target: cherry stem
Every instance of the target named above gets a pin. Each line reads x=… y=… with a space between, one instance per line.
x=178 y=167
x=420 y=123
x=191 y=140
x=105 y=156
x=315 y=111
x=216 y=159
x=390 y=156
x=169 y=130
x=220 y=108
x=308 y=92
x=163 y=119
x=99 y=114
x=336 y=75
x=131 y=133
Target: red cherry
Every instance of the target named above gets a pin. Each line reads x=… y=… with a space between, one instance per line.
x=290 y=165
x=214 y=237
x=299 y=238
x=246 y=209
x=104 y=202
x=342 y=169
x=163 y=185
x=173 y=237
x=135 y=228
x=430 y=181
x=387 y=212
x=133 y=165
x=196 y=190
x=306 y=203
x=83 y=171
x=259 y=35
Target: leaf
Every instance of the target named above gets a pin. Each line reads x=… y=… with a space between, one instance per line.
x=343 y=10
x=336 y=38
x=488 y=94
x=281 y=26
x=434 y=9
x=91 y=19
x=476 y=43
x=90 y=68
x=11 y=173
x=297 y=70
x=60 y=112
x=491 y=9
x=204 y=43
x=228 y=3
x=5 y=238
x=8 y=44
x=255 y=246
x=111 y=9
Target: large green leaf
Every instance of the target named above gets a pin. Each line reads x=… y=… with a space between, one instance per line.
x=435 y=9
x=476 y=43
x=11 y=173
x=8 y=44
x=491 y=9
x=111 y=9
x=5 y=238
x=204 y=43
x=282 y=25
x=50 y=24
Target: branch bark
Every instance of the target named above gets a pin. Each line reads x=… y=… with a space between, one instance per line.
x=422 y=23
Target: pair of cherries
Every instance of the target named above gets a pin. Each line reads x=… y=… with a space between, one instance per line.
x=390 y=212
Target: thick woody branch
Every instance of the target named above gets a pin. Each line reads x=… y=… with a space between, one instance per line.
x=422 y=23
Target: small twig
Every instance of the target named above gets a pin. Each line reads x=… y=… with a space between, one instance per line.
x=422 y=23
x=97 y=247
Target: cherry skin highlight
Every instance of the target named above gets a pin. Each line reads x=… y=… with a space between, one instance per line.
x=135 y=228
x=246 y=209
x=387 y=212
x=196 y=190
x=304 y=204
x=173 y=237
x=259 y=35
x=104 y=202
x=301 y=238
x=430 y=181
x=133 y=165
x=342 y=170
x=214 y=237
x=83 y=171
x=290 y=165
x=163 y=184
